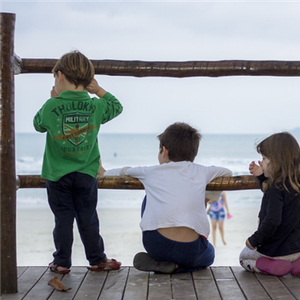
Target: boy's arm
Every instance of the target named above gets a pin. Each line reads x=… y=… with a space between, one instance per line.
x=116 y=172
x=101 y=170
x=136 y=172
x=37 y=123
x=113 y=105
x=37 y=120
x=215 y=172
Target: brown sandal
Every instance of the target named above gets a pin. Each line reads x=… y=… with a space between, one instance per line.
x=109 y=264
x=54 y=268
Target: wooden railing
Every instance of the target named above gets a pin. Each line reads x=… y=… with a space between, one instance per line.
x=245 y=182
x=173 y=69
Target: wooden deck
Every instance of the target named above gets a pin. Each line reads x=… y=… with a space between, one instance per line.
x=130 y=284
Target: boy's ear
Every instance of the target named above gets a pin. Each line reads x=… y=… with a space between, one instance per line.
x=60 y=75
x=165 y=152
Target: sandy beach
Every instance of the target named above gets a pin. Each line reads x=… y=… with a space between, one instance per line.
x=122 y=236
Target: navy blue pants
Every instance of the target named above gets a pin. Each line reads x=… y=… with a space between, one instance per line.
x=189 y=256
x=75 y=196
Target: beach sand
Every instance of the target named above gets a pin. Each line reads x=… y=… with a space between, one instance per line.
x=122 y=236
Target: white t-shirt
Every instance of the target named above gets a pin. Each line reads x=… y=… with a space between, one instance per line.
x=175 y=194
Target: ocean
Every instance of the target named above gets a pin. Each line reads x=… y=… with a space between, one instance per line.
x=234 y=151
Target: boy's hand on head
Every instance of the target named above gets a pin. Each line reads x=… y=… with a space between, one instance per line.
x=255 y=169
x=95 y=88
x=53 y=93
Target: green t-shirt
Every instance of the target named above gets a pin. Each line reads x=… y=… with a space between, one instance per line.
x=72 y=122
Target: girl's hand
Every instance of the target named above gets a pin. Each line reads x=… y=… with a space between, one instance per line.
x=255 y=169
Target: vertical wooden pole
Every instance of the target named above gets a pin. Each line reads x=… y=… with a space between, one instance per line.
x=7 y=153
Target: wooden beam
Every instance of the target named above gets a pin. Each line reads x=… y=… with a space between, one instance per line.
x=175 y=69
x=245 y=182
x=7 y=153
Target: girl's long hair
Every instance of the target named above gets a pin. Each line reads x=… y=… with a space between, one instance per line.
x=282 y=149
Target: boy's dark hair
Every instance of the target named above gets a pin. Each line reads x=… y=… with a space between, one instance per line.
x=181 y=140
x=77 y=68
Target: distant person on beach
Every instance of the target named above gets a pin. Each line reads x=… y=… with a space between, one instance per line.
x=174 y=220
x=275 y=247
x=217 y=211
x=71 y=161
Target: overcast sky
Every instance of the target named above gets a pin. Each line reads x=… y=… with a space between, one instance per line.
x=167 y=31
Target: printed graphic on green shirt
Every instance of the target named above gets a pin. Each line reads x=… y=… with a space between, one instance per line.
x=75 y=127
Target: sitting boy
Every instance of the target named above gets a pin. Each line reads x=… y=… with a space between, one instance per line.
x=174 y=220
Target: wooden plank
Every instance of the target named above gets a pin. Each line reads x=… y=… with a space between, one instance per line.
x=274 y=287
x=72 y=280
x=292 y=283
x=249 y=284
x=26 y=282
x=205 y=285
x=227 y=285
x=114 y=285
x=91 y=286
x=159 y=287
x=130 y=284
x=183 y=287
x=21 y=270
x=137 y=285
x=41 y=290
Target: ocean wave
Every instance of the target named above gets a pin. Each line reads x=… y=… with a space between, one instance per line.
x=118 y=150
x=29 y=165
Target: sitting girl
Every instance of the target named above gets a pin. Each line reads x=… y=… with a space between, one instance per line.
x=275 y=247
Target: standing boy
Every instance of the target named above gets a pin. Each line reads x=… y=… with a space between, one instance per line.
x=71 y=161
x=174 y=220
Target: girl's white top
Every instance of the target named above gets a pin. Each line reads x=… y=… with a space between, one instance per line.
x=175 y=193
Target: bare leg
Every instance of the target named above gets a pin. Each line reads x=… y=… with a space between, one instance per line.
x=214 y=230
x=221 y=229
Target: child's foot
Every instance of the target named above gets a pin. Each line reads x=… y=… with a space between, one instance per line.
x=109 y=264
x=144 y=262
x=58 y=269
x=277 y=267
x=296 y=267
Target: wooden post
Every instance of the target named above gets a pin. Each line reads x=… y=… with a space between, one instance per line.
x=7 y=153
